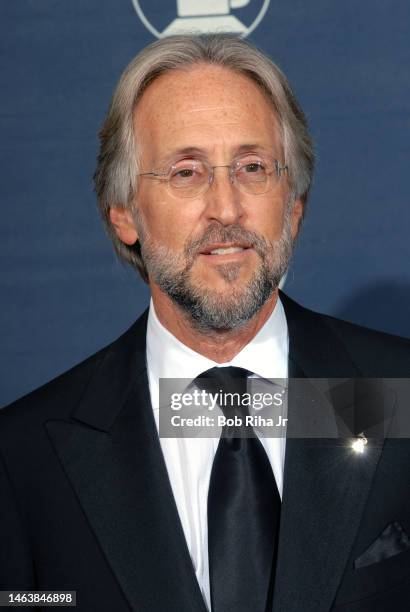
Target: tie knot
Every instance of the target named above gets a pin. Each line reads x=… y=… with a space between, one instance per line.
x=229 y=384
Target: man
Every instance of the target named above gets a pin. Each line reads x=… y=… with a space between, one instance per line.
x=202 y=179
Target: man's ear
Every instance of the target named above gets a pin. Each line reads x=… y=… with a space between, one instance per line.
x=123 y=222
x=297 y=215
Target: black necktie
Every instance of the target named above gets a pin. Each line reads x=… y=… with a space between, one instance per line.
x=243 y=510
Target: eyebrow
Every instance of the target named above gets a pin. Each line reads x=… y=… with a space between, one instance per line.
x=196 y=151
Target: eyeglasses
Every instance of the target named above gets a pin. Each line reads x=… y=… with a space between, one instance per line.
x=189 y=178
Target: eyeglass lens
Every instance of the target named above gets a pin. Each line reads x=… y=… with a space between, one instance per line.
x=190 y=177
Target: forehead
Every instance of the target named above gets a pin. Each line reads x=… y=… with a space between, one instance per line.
x=208 y=107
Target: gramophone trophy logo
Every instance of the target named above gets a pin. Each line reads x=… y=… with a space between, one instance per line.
x=196 y=16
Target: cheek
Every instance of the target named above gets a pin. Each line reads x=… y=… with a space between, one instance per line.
x=267 y=219
x=153 y=212
x=170 y=223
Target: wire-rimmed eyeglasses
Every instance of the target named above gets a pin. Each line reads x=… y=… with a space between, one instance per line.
x=189 y=178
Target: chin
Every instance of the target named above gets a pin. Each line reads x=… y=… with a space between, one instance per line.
x=225 y=276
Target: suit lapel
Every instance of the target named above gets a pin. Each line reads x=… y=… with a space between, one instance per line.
x=111 y=453
x=326 y=485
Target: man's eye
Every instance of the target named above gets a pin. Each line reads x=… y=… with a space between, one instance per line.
x=184 y=173
x=254 y=167
x=187 y=172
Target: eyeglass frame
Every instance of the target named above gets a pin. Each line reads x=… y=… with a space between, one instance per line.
x=164 y=176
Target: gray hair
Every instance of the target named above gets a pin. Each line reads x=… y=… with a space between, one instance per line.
x=116 y=175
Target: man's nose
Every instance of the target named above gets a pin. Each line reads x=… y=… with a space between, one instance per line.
x=223 y=198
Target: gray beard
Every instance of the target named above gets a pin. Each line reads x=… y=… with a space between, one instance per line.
x=210 y=310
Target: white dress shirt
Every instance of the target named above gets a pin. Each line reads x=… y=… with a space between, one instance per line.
x=189 y=460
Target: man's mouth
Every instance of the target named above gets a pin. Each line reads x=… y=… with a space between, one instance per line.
x=225 y=249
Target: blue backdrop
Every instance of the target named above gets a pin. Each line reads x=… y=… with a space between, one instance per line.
x=64 y=295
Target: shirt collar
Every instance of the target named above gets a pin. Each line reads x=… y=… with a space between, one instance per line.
x=266 y=354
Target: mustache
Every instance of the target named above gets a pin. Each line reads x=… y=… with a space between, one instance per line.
x=220 y=234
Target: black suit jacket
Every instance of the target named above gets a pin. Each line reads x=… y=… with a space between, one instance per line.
x=86 y=503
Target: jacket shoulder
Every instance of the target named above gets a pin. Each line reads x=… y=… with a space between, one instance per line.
x=59 y=397
x=53 y=396
x=374 y=352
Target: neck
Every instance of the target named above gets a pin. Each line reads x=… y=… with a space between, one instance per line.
x=218 y=345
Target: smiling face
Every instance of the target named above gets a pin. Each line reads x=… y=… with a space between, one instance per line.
x=218 y=255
